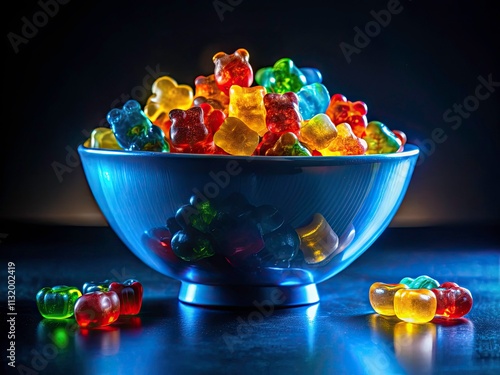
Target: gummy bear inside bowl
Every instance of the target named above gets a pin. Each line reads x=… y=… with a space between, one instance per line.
x=235 y=230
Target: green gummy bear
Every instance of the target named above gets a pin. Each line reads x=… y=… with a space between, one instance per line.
x=57 y=302
x=283 y=77
x=421 y=282
x=204 y=216
x=380 y=139
x=191 y=246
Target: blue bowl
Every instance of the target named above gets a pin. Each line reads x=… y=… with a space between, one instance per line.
x=339 y=205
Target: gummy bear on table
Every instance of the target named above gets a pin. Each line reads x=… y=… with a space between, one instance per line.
x=235 y=110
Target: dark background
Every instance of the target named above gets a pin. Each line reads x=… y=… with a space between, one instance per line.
x=89 y=56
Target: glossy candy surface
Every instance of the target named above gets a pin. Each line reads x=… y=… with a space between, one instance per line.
x=92 y=286
x=453 y=301
x=380 y=139
x=57 y=302
x=236 y=138
x=283 y=77
x=345 y=143
x=130 y=293
x=188 y=131
x=104 y=138
x=420 y=282
x=233 y=69
x=247 y=104
x=415 y=305
x=282 y=112
x=206 y=88
x=381 y=297
x=97 y=309
x=133 y=129
x=318 y=132
x=341 y=110
x=288 y=145
x=318 y=241
x=167 y=95
x=313 y=99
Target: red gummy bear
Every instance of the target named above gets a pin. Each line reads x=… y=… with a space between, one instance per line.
x=341 y=110
x=232 y=69
x=453 y=301
x=282 y=112
x=267 y=142
x=206 y=90
x=130 y=294
x=213 y=118
x=188 y=131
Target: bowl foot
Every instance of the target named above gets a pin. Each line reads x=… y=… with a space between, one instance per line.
x=261 y=297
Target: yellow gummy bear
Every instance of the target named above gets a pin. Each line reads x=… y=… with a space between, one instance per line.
x=247 y=104
x=415 y=305
x=318 y=241
x=318 y=132
x=167 y=95
x=345 y=143
x=236 y=138
x=102 y=137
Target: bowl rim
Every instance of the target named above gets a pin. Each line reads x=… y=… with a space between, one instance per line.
x=410 y=150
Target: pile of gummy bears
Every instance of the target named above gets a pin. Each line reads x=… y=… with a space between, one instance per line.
x=281 y=111
x=420 y=300
x=98 y=304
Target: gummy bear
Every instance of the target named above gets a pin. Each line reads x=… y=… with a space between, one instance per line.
x=92 y=286
x=247 y=104
x=453 y=301
x=318 y=241
x=421 y=282
x=381 y=297
x=268 y=141
x=97 y=309
x=312 y=75
x=191 y=245
x=313 y=99
x=134 y=131
x=236 y=138
x=345 y=143
x=341 y=110
x=415 y=305
x=233 y=69
x=282 y=112
x=288 y=145
x=402 y=137
x=57 y=302
x=318 y=132
x=380 y=139
x=102 y=137
x=167 y=95
x=206 y=88
x=213 y=118
x=281 y=246
x=188 y=129
x=283 y=77
x=130 y=294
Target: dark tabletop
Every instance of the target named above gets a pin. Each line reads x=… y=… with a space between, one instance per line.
x=339 y=335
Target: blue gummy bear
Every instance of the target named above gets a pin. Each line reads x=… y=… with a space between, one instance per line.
x=312 y=75
x=281 y=246
x=313 y=99
x=133 y=129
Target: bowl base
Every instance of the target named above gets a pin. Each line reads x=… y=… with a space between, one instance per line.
x=263 y=298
